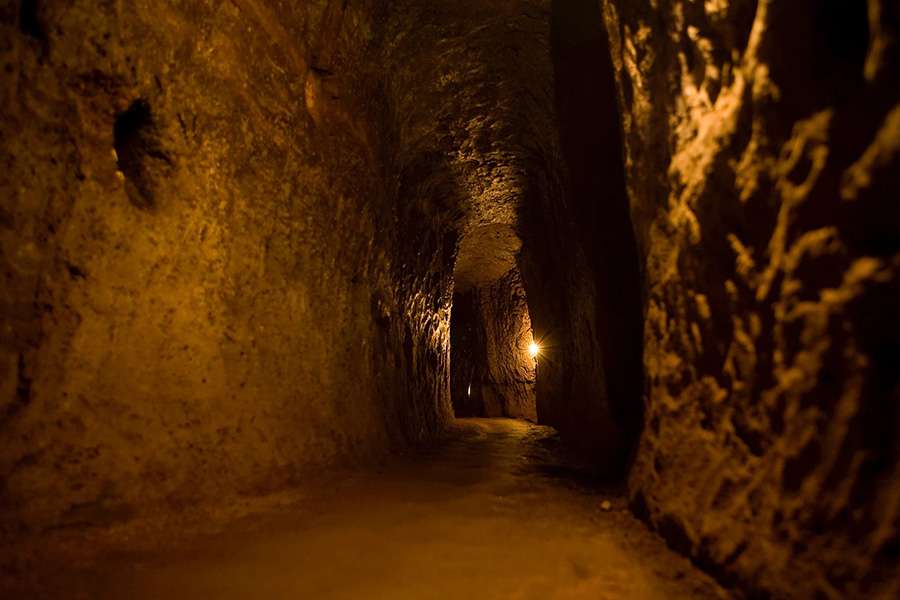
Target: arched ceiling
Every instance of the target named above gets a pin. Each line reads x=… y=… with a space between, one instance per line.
x=486 y=254
x=482 y=118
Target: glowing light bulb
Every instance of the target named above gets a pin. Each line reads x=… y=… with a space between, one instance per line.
x=533 y=349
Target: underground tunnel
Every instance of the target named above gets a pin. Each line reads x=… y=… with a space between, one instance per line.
x=450 y=298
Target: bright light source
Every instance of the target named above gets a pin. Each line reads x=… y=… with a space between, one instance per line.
x=470 y=389
x=534 y=349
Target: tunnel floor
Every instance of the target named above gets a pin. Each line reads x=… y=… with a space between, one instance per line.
x=497 y=511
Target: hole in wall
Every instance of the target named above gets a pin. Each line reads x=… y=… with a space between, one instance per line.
x=23 y=381
x=30 y=20
x=139 y=154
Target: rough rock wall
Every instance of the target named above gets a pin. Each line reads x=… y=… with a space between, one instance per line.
x=500 y=129
x=579 y=260
x=205 y=289
x=471 y=99
x=762 y=143
x=492 y=372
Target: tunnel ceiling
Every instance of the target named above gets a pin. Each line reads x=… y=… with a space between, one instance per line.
x=481 y=117
x=486 y=254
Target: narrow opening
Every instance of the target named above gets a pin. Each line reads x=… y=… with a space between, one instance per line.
x=138 y=153
x=493 y=351
x=30 y=21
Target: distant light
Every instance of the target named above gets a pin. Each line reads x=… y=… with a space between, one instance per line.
x=534 y=349
x=470 y=389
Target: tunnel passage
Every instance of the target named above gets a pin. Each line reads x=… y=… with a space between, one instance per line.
x=230 y=235
x=492 y=363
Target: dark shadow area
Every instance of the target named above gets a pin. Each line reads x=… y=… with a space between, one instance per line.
x=30 y=21
x=592 y=146
x=549 y=457
x=467 y=349
x=140 y=155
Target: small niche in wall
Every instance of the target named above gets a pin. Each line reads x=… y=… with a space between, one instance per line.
x=139 y=153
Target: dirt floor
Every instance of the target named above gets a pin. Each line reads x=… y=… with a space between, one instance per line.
x=498 y=511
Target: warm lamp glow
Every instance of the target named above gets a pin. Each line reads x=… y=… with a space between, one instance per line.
x=534 y=349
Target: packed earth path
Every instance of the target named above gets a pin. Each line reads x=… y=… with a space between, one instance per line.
x=499 y=509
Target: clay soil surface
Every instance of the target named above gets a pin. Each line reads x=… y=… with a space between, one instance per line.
x=496 y=511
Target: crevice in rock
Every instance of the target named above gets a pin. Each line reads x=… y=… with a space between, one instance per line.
x=23 y=385
x=139 y=154
x=75 y=272
x=581 y=270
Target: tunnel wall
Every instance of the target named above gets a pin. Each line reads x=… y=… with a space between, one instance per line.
x=205 y=290
x=579 y=258
x=472 y=98
x=490 y=332
x=762 y=145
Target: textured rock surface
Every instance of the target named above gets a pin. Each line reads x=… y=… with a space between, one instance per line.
x=229 y=230
x=763 y=157
x=477 y=114
x=197 y=297
x=491 y=371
